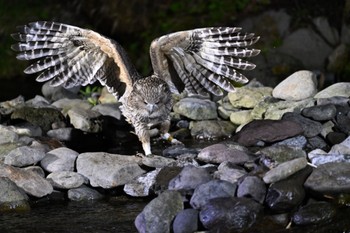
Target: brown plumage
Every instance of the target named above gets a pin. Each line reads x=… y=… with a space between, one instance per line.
x=205 y=60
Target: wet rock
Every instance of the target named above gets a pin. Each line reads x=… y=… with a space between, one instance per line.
x=212 y=129
x=157 y=161
x=164 y=176
x=60 y=159
x=229 y=172
x=320 y=112
x=186 y=221
x=108 y=170
x=83 y=193
x=157 y=216
x=85 y=119
x=252 y=187
x=196 y=109
x=189 y=178
x=318 y=157
x=228 y=214
x=11 y=197
x=298 y=86
x=29 y=181
x=213 y=189
x=277 y=154
x=248 y=97
x=141 y=186
x=336 y=137
x=287 y=194
x=65 y=179
x=310 y=128
x=219 y=153
x=241 y=117
x=261 y=131
x=24 y=156
x=337 y=89
x=330 y=178
x=7 y=135
x=284 y=170
x=43 y=117
x=313 y=213
x=108 y=110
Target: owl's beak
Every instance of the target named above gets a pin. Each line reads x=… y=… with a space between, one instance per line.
x=151 y=108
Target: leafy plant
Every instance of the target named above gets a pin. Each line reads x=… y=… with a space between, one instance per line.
x=91 y=94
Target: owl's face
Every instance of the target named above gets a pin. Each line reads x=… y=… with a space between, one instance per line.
x=151 y=98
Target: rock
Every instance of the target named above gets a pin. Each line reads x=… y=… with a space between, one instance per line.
x=318 y=157
x=38 y=102
x=317 y=142
x=67 y=104
x=43 y=117
x=196 y=109
x=157 y=216
x=189 y=178
x=343 y=123
x=111 y=110
x=164 y=176
x=241 y=117
x=62 y=134
x=229 y=214
x=29 y=181
x=213 y=189
x=12 y=197
x=298 y=86
x=284 y=170
x=335 y=100
x=24 y=156
x=108 y=170
x=310 y=128
x=213 y=129
x=141 y=186
x=83 y=193
x=84 y=119
x=314 y=213
x=37 y=170
x=229 y=172
x=7 y=107
x=267 y=131
x=219 y=153
x=60 y=159
x=157 y=161
x=330 y=178
x=335 y=137
x=27 y=129
x=247 y=97
x=56 y=93
x=337 y=89
x=320 y=112
x=252 y=187
x=7 y=135
x=6 y=148
x=285 y=195
x=65 y=179
x=186 y=221
x=178 y=150
x=298 y=142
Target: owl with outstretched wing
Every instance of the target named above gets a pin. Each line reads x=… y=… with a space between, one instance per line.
x=206 y=60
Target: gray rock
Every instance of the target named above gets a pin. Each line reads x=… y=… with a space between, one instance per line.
x=7 y=135
x=29 y=181
x=341 y=148
x=7 y=107
x=38 y=101
x=37 y=170
x=164 y=176
x=314 y=213
x=248 y=97
x=298 y=141
x=310 y=127
x=336 y=100
x=337 y=89
x=298 y=86
x=158 y=215
x=212 y=129
x=196 y=109
x=219 y=153
x=83 y=193
x=11 y=197
x=318 y=157
x=343 y=123
x=108 y=170
x=252 y=187
x=186 y=221
x=56 y=93
x=189 y=178
x=141 y=186
x=6 y=148
x=284 y=170
x=213 y=189
x=259 y=131
x=27 y=129
x=63 y=134
x=229 y=214
x=60 y=159
x=229 y=172
x=320 y=112
x=111 y=110
x=66 y=104
x=157 y=161
x=24 y=156
x=84 y=119
x=178 y=150
x=65 y=179
x=330 y=178
x=317 y=142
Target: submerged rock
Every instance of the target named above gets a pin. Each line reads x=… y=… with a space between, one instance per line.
x=313 y=213
x=11 y=197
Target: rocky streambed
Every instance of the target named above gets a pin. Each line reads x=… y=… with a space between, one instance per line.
x=271 y=159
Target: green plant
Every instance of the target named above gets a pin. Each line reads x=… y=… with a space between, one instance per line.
x=91 y=94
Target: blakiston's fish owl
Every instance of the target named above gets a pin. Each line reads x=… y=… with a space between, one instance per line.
x=204 y=59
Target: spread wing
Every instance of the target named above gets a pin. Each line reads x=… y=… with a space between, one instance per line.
x=205 y=59
x=70 y=56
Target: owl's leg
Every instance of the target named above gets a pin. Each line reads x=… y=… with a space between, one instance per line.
x=144 y=137
x=164 y=131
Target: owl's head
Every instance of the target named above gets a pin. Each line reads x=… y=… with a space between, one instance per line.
x=150 y=96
